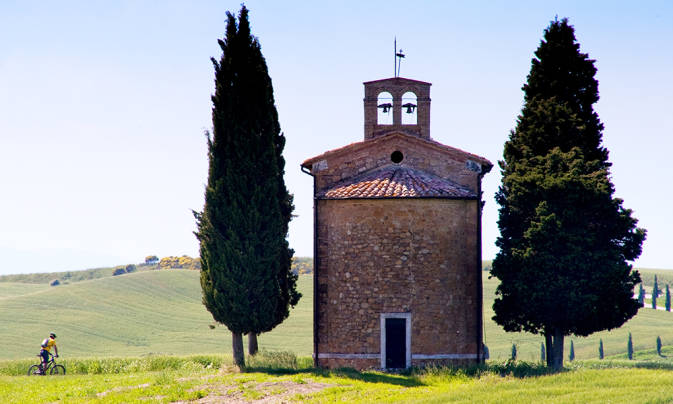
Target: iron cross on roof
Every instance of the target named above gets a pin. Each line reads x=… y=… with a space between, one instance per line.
x=398 y=55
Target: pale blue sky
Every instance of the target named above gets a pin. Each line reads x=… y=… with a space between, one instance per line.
x=103 y=105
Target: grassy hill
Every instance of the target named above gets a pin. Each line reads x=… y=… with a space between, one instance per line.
x=645 y=327
x=133 y=314
x=161 y=312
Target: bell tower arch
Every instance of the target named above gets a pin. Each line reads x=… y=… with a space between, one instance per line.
x=402 y=103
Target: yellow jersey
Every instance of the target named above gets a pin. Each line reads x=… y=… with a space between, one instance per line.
x=48 y=343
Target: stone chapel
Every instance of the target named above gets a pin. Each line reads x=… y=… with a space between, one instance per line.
x=397 y=241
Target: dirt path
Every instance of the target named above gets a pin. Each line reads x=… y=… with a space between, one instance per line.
x=253 y=392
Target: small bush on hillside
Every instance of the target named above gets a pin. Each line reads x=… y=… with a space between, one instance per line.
x=55 y=282
x=543 y=353
x=629 y=348
x=130 y=268
x=513 y=352
x=119 y=271
x=659 y=346
x=302 y=265
x=600 y=349
x=184 y=262
x=151 y=259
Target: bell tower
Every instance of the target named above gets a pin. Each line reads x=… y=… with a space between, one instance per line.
x=397 y=105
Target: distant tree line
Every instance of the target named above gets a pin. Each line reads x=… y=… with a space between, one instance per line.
x=183 y=262
x=302 y=265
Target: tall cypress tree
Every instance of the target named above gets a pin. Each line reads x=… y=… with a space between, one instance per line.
x=565 y=240
x=668 y=298
x=246 y=278
x=655 y=293
x=629 y=348
x=571 y=355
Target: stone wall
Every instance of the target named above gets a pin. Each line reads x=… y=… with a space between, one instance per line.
x=418 y=153
x=392 y=256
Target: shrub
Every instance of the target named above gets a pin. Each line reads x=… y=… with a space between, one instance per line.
x=119 y=271
x=151 y=259
x=513 y=352
x=273 y=360
x=659 y=346
x=543 y=353
x=302 y=265
x=55 y=282
x=600 y=349
x=184 y=262
x=130 y=268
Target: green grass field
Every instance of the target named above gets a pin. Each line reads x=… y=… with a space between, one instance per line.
x=160 y=312
x=133 y=314
x=644 y=327
x=125 y=339
x=171 y=379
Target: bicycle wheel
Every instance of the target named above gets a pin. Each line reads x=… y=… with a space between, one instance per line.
x=57 y=370
x=34 y=370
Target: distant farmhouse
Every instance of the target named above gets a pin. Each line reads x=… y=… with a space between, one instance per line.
x=397 y=243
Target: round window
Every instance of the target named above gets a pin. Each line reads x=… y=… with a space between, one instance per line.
x=396 y=157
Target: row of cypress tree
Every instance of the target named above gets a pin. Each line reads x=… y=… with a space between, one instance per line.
x=656 y=292
x=601 y=352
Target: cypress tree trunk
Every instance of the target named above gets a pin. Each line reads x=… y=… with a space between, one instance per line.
x=237 y=346
x=557 y=356
x=252 y=344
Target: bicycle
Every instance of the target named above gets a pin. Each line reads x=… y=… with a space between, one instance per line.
x=51 y=367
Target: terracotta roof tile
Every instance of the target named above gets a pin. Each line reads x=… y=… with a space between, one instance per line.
x=396 y=182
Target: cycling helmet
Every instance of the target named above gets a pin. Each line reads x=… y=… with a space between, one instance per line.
x=52 y=335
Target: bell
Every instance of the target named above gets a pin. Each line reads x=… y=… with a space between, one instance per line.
x=385 y=107
x=410 y=107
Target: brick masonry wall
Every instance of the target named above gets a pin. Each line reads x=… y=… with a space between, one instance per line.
x=376 y=153
x=397 y=255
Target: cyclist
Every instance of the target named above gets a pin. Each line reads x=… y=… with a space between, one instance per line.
x=45 y=349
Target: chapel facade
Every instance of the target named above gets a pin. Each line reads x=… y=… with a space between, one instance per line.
x=397 y=241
